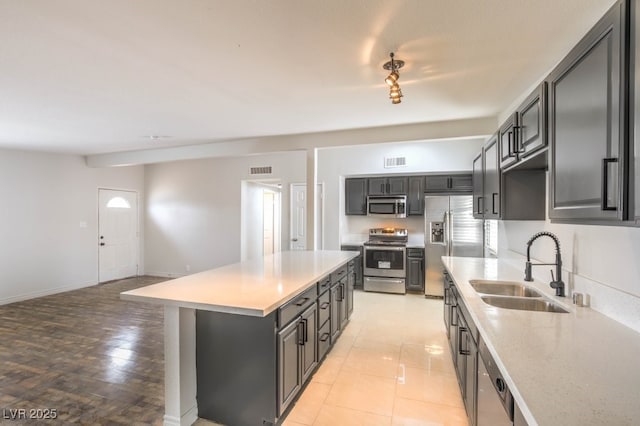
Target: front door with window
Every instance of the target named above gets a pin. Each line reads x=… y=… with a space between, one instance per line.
x=117 y=234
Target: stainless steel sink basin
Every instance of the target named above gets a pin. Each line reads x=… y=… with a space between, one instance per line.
x=503 y=288
x=523 y=304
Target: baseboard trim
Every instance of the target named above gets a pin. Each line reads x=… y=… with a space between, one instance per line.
x=47 y=292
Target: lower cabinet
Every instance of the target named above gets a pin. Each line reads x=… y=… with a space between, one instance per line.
x=415 y=269
x=463 y=337
x=250 y=369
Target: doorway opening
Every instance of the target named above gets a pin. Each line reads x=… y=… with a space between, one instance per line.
x=261 y=214
x=118 y=235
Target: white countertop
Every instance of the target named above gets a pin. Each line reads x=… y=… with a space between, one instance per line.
x=255 y=288
x=580 y=368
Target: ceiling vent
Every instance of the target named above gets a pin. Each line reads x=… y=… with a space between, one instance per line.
x=264 y=170
x=391 y=162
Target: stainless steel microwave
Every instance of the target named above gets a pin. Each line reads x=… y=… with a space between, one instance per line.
x=387 y=206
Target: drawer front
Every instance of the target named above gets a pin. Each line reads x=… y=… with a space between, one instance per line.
x=351 y=266
x=324 y=284
x=338 y=274
x=293 y=308
x=324 y=307
x=324 y=340
x=415 y=252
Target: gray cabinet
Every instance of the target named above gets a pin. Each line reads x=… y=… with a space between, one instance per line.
x=415 y=270
x=309 y=341
x=588 y=128
x=355 y=191
x=338 y=308
x=396 y=185
x=491 y=181
x=289 y=373
x=507 y=139
x=477 y=174
x=514 y=194
x=351 y=280
x=415 y=196
x=524 y=133
x=448 y=183
x=357 y=264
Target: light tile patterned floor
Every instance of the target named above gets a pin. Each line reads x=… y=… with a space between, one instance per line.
x=391 y=366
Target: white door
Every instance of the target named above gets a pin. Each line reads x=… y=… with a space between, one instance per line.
x=117 y=234
x=298 y=217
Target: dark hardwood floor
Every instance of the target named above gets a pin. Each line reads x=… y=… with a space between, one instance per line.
x=90 y=356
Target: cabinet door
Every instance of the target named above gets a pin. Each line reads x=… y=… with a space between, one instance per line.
x=461 y=183
x=377 y=186
x=438 y=183
x=491 y=169
x=289 y=377
x=415 y=197
x=471 y=379
x=335 y=312
x=532 y=134
x=351 y=281
x=415 y=274
x=587 y=125
x=507 y=136
x=310 y=342
x=459 y=354
x=355 y=190
x=343 y=303
x=478 y=186
x=397 y=185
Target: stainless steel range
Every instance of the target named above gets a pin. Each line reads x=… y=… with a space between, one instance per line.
x=384 y=260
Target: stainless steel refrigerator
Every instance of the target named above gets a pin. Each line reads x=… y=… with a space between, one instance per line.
x=450 y=230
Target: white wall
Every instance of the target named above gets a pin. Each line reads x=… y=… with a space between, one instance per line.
x=451 y=155
x=601 y=261
x=193 y=209
x=43 y=200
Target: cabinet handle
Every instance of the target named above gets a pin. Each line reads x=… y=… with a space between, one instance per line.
x=324 y=337
x=300 y=333
x=324 y=305
x=305 y=330
x=605 y=183
x=511 y=144
x=480 y=201
x=302 y=301
x=382 y=188
x=460 y=349
x=516 y=148
x=341 y=292
x=493 y=203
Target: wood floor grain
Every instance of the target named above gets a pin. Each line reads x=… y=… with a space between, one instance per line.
x=90 y=356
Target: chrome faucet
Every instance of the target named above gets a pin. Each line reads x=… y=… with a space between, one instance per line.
x=556 y=282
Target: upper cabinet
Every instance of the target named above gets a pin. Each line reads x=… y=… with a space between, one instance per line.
x=478 y=186
x=491 y=179
x=396 y=185
x=449 y=183
x=588 y=128
x=524 y=132
x=355 y=191
x=415 y=197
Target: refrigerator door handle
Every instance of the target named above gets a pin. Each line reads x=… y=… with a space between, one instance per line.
x=447 y=237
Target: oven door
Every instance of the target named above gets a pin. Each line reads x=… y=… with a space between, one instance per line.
x=384 y=261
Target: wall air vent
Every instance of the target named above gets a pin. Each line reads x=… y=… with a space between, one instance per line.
x=391 y=162
x=264 y=170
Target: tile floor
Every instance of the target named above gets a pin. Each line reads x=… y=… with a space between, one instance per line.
x=391 y=366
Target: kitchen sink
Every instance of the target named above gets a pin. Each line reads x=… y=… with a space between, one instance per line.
x=503 y=288
x=523 y=304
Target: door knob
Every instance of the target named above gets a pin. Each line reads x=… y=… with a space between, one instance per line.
x=101 y=244
x=294 y=239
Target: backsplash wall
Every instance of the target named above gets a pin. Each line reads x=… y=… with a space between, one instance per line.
x=357 y=227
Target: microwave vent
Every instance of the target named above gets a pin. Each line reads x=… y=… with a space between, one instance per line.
x=264 y=170
x=391 y=162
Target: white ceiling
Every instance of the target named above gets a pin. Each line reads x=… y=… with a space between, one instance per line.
x=95 y=76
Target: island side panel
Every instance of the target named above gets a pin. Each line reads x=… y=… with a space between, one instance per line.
x=236 y=359
x=180 y=366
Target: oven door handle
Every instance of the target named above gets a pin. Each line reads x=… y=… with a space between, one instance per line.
x=386 y=248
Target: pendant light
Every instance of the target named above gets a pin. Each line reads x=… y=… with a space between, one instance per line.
x=392 y=79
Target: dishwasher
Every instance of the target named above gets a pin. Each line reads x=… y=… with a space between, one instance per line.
x=495 y=402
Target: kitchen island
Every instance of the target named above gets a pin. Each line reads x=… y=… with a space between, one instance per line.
x=574 y=368
x=265 y=289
